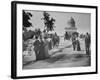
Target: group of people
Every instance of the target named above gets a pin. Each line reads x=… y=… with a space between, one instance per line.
x=76 y=43
x=43 y=44
x=41 y=48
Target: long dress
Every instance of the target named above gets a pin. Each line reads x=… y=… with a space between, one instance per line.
x=46 y=49
x=50 y=43
x=78 y=46
x=36 y=48
x=74 y=42
x=42 y=51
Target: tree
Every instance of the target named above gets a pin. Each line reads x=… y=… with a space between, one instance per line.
x=26 y=18
x=49 y=22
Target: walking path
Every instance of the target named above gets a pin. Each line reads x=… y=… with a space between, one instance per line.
x=63 y=56
x=31 y=57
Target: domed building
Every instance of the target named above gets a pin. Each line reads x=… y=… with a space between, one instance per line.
x=71 y=28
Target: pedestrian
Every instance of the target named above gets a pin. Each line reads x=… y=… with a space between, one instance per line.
x=50 y=43
x=36 y=47
x=74 y=42
x=46 y=47
x=78 y=44
x=42 y=49
x=87 y=43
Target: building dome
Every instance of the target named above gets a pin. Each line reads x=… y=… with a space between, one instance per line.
x=71 y=28
x=71 y=22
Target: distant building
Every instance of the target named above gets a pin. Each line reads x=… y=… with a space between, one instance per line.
x=71 y=28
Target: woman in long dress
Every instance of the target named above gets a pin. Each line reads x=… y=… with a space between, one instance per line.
x=46 y=47
x=42 y=50
x=36 y=47
x=78 y=44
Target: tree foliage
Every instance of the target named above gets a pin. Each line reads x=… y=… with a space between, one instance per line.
x=48 y=21
x=26 y=18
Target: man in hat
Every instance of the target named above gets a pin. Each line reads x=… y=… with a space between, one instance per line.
x=87 y=43
x=74 y=42
x=36 y=47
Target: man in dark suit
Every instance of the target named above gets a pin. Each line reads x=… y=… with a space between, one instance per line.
x=36 y=47
x=87 y=43
x=74 y=42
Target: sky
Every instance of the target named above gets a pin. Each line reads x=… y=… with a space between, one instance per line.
x=82 y=20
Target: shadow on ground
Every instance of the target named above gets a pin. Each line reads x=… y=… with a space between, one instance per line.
x=67 y=58
x=61 y=49
x=55 y=58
